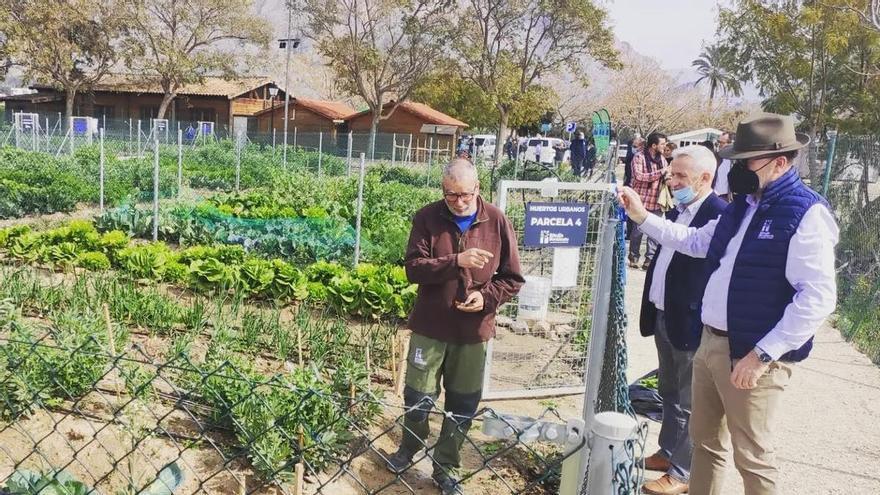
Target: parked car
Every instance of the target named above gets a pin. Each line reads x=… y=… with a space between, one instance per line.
x=548 y=150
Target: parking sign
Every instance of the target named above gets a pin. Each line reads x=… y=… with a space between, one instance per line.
x=571 y=127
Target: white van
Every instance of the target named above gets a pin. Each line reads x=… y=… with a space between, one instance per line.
x=484 y=145
x=548 y=152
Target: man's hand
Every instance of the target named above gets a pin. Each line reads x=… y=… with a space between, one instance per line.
x=472 y=304
x=474 y=258
x=747 y=371
x=632 y=204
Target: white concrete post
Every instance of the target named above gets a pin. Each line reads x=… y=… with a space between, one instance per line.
x=360 y=207
x=101 y=174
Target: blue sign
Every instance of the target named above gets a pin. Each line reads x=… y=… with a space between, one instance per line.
x=80 y=126
x=545 y=127
x=556 y=224
x=571 y=127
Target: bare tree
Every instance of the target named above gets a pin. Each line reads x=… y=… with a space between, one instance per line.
x=379 y=49
x=68 y=44
x=177 y=43
x=644 y=98
x=508 y=46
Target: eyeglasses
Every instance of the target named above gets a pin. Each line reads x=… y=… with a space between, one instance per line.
x=451 y=196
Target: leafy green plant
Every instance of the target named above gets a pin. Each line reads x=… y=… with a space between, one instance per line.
x=146 y=260
x=93 y=260
x=25 y=482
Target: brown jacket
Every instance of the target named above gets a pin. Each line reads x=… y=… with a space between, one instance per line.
x=431 y=262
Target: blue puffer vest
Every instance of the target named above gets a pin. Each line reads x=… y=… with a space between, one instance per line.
x=759 y=291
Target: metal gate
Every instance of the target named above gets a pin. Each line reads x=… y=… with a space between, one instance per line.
x=542 y=350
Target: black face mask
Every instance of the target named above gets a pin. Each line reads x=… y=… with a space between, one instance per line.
x=742 y=180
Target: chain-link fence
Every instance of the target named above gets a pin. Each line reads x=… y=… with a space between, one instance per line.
x=134 y=138
x=125 y=388
x=852 y=186
x=222 y=400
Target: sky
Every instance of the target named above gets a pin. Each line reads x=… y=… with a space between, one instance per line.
x=670 y=31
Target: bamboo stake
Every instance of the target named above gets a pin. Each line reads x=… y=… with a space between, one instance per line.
x=394 y=358
x=111 y=338
x=299 y=346
x=300 y=473
x=352 y=391
x=398 y=385
x=367 y=360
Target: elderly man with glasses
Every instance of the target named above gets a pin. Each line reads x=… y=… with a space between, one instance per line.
x=463 y=254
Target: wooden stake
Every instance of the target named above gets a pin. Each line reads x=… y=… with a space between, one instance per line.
x=299 y=345
x=394 y=358
x=401 y=376
x=352 y=391
x=111 y=337
x=300 y=473
x=367 y=360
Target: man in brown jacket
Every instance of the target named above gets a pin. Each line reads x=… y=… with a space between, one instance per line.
x=463 y=254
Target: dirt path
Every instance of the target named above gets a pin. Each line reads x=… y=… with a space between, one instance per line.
x=828 y=440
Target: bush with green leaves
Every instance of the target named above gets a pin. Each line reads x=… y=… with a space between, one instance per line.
x=370 y=291
x=47 y=375
x=282 y=419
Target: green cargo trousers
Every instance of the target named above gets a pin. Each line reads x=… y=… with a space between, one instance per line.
x=461 y=368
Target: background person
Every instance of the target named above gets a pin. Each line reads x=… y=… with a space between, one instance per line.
x=649 y=172
x=578 y=154
x=722 y=189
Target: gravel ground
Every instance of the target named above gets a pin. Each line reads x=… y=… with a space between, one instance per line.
x=828 y=439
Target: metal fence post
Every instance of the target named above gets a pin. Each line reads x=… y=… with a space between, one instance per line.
x=48 y=144
x=350 y=142
x=599 y=334
x=393 y=148
x=320 y=150
x=273 y=140
x=409 y=157
x=72 y=137
x=101 y=173
x=179 y=161
x=238 y=141
x=294 y=139
x=829 y=161
x=140 y=151
x=360 y=207
x=155 y=186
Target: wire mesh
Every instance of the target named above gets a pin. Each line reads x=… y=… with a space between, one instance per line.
x=205 y=404
x=545 y=350
x=854 y=194
x=134 y=137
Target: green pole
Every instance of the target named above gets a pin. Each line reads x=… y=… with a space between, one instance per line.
x=829 y=161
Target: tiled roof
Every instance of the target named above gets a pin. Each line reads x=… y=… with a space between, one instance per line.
x=210 y=86
x=424 y=112
x=333 y=110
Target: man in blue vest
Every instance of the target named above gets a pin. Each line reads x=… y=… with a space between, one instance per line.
x=670 y=312
x=770 y=283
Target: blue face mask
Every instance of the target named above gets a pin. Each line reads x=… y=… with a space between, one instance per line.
x=684 y=195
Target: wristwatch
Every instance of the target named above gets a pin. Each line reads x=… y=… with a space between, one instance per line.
x=763 y=356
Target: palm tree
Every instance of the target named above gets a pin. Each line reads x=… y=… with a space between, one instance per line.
x=713 y=68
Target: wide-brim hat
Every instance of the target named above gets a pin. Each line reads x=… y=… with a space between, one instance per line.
x=764 y=134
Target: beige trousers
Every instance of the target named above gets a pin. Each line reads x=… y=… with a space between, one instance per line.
x=722 y=413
